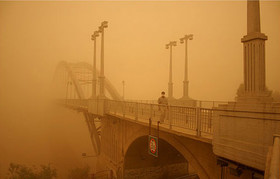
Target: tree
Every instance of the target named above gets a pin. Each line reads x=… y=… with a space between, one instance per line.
x=18 y=171
x=47 y=172
x=79 y=173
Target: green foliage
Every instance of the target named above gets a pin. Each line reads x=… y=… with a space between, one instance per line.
x=79 y=173
x=18 y=171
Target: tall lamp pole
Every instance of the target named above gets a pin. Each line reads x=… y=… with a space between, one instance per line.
x=170 y=83
x=93 y=37
x=186 y=80
x=104 y=25
x=123 y=83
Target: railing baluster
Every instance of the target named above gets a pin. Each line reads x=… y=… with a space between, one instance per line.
x=170 y=118
x=198 y=122
x=151 y=110
x=124 y=109
x=136 y=111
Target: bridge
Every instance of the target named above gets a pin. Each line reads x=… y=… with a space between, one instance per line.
x=238 y=139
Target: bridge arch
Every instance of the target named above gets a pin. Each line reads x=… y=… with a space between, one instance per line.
x=171 y=140
x=68 y=68
x=72 y=73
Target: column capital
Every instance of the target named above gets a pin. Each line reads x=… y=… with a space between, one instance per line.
x=254 y=35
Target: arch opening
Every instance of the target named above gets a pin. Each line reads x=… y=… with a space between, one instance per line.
x=170 y=163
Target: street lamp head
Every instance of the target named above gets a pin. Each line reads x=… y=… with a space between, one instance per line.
x=167 y=46
x=96 y=33
x=104 y=24
x=182 y=40
x=100 y=29
x=174 y=43
x=191 y=36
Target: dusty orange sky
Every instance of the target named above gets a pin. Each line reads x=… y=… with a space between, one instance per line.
x=35 y=36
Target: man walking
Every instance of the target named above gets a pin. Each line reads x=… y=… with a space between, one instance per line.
x=163 y=102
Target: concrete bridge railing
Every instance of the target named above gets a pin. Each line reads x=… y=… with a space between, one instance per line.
x=273 y=159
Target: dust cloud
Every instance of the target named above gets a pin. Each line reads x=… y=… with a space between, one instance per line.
x=35 y=36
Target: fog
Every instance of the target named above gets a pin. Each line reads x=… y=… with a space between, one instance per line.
x=35 y=36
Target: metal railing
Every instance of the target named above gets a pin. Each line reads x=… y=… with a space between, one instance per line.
x=196 y=119
x=197 y=103
x=77 y=103
x=186 y=103
x=185 y=117
x=192 y=118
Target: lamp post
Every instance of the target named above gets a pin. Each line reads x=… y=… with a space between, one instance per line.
x=123 y=83
x=170 y=83
x=93 y=37
x=186 y=80
x=104 y=25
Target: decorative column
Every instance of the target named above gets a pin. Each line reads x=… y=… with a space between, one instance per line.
x=254 y=55
x=186 y=80
x=94 y=80
x=102 y=76
x=245 y=127
x=170 y=83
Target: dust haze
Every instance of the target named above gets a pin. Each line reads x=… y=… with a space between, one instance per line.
x=36 y=36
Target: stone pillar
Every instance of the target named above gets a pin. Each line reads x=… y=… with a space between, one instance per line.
x=253 y=16
x=254 y=57
x=243 y=129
